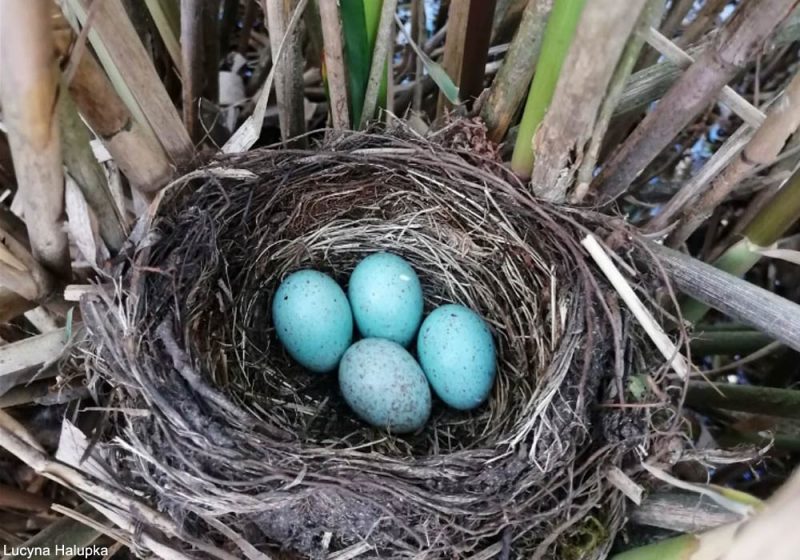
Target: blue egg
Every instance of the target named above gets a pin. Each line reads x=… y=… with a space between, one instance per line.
x=386 y=298
x=457 y=354
x=385 y=386
x=312 y=319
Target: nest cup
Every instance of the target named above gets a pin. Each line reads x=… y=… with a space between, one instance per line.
x=240 y=444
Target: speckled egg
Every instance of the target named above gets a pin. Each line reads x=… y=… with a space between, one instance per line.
x=312 y=319
x=386 y=298
x=457 y=354
x=385 y=386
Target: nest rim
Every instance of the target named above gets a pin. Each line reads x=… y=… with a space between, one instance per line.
x=516 y=448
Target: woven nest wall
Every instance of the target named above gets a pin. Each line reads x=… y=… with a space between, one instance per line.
x=216 y=426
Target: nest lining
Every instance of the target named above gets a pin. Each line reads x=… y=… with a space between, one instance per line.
x=238 y=434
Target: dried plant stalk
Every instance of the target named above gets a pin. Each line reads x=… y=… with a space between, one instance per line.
x=558 y=145
x=115 y=40
x=138 y=155
x=192 y=64
x=29 y=94
x=732 y=48
x=288 y=69
x=90 y=177
x=765 y=145
x=457 y=16
x=334 y=63
x=512 y=81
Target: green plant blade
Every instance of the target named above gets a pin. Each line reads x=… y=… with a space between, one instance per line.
x=357 y=53
x=435 y=70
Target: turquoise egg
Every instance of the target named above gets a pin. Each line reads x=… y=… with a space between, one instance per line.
x=457 y=354
x=312 y=319
x=385 y=386
x=386 y=298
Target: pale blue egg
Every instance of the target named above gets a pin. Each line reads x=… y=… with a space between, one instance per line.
x=312 y=319
x=386 y=298
x=385 y=386
x=457 y=354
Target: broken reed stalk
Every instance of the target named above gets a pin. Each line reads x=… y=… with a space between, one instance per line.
x=288 y=70
x=22 y=273
x=651 y=15
x=566 y=129
x=138 y=155
x=384 y=41
x=770 y=534
x=334 y=64
x=727 y=95
x=762 y=149
x=557 y=38
x=192 y=66
x=737 y=43
x=88 y=174
x=512 y=81
x=742 y=301
x=29 y=83
x=457 y=16
x=776 y=178
x=167 y=19
x=12 y=305
x=695 y=186
x=767 y=227
x=681 y=511
x=476 y=49
x=127 y=62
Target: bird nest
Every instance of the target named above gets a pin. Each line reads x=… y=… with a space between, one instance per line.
x=212 y=423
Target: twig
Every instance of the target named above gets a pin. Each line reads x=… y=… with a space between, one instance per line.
x=645 y=318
